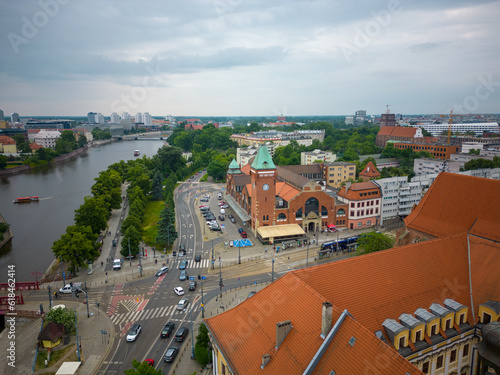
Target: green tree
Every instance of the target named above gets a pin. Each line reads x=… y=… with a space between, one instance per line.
x=427 y=133
x=201 y=348
x=82 y=140
x=217 y=169
x=93 y=213
x=157 y=189
x=76 y=246
x=166 y=227
x=372 y=242
x=142 y=368
x=63 y=316
x=66 y=142
x=3 y=161
x=135 y=238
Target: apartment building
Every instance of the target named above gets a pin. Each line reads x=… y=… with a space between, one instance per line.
x=464 y=158
x=364 y=203
x=337 y=172
x=429 y=166
x=313 y=156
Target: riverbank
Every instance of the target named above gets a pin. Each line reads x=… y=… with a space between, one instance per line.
x=56 y=160
x=7 y=236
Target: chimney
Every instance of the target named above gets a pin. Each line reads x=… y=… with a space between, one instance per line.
x=265 y=359
x=326 y=321
x=282 y=329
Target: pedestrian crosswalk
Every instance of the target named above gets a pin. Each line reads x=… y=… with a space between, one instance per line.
x=204 y=263
x=158 y=312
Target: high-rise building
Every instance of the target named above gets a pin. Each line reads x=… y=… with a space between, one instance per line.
x=360 y=117
x=388 y=119
x=125 y=116
x=2 y=116
x=91 y=117
x=14 y=117
x=138 y=118
x=114 y=119
x=99 y=118
x=146 y=119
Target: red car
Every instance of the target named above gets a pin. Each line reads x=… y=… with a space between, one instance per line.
x=243 y=234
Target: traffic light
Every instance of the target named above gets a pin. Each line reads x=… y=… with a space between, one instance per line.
x=220 y=283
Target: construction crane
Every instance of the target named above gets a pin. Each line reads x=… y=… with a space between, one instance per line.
x=450 y=121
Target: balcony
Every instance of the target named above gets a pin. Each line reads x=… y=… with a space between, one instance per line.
x=406 y=199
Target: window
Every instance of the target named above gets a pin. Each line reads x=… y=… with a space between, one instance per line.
x=352 y=213
x=434 y=329
x=298 y=214
x=352 y=205
x=324 y=211
x=465 y=350
x=312 y=205
x=282 y=216
x=402 y=342
x=447 y=324
x=359 y=224
x=263 y=217
x=369 y=222
x=341 y=212
x=462 y=319
x=425 y=367
x=359 y=205
x=486 y=318
x=453 y=355
x=439 y=362
x=418 y=336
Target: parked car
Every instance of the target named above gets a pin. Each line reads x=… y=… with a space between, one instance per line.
x=167 y=330
x=251 y=294
x=133 y=332
x=183 y=303
x=171 y=354
x=179 y=291
x=230 y=216
x=225 y=206
x=183 y=265
x=233 y=220
x=192 y=285
x=197 y=258
x=215 y=229
x=221 y=218
x=162 y=271
x=240 y=230
x=222 y=211
x=181 y=334
x=231 y=243
x=243 y=234
x=204 y=200
x=183 y=276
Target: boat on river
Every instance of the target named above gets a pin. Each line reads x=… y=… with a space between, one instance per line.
x=33 y=198
x=136 y=153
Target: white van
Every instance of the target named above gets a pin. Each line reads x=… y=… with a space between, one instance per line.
x=222 y=211
x=219 y=196
x=117 y=264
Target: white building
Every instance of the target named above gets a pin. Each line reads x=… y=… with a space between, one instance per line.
x=244 y=154
x=429 y=166
x=146 y=119
x=467 y=146
x=398 y=196
x=125 y=116
x=349 y=120
x=138 y=118
x=464 y=158
x=490 y=152
x=312 y=156
x=99 y=118
x=478 y=128
x=114 y=119
x=47 y=138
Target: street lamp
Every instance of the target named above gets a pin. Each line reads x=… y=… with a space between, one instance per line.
x=273 y=271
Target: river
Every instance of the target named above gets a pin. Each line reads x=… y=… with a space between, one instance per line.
x=61 y=189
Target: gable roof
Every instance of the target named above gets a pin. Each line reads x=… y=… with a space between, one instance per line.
x=51 y=332
x=263 y=160
x=370 y=171
x=454 y=202
x=354 y=190
x=398 y=131
x=285 y=191
x=305 y=169
x=292 y=178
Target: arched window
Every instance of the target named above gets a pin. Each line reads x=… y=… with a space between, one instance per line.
x=282 y=216
x=298 y=214
x=312 y=205
x=341 y=212
x=324 y=211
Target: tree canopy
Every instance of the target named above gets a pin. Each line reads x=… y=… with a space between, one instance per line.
x=142 y=368
x=374 y=241
x=76 y=246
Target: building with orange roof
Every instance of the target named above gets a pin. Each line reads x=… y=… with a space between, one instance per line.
x=398 y=133
x=439 y=151
x=35 y=146
x=264 y=195
x=369 y=172
x=7 y=145
x=364 y=200
x=422 y=308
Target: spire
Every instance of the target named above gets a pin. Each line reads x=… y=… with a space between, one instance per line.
x=263 y=160
x=234 y=168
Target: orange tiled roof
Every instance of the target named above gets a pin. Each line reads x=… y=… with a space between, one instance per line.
x=6 y=140
x=249 y=189
x=246 y=169
x=286 y=191
x=453 y=203
x=35 y=146
x=356 y=189
x=370 y=171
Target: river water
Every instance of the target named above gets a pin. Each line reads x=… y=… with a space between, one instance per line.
x=61 y=189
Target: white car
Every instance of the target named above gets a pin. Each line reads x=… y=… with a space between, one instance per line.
x=182 y=304
x=179 y=291
x=134 y=332
x=212 y=222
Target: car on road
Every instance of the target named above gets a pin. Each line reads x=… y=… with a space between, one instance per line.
x=192 y=285
x=183 y=276
x=197 y=258
x=183 y=265
x=183 y=303
x=243 y=234
x=181 y=334
x=167 y=330
x=150 y=361
x=133 y=332
x=171 y=354
x=179 y=291
x=221 y=218
x=162 y=271
x=182 y=247
x=204 y=200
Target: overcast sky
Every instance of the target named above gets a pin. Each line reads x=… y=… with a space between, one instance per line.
x=246 y=58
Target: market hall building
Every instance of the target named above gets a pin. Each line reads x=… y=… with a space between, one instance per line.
x=277 y=204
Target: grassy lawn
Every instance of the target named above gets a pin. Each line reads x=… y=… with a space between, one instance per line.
x=151 y=217
x=55 y=356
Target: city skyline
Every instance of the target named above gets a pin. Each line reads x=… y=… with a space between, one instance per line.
x=236 y=58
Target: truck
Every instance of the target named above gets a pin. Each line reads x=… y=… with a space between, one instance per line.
x=71 y=288
x=117 y=264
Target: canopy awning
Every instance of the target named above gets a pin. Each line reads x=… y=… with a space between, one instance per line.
x=330 y=226
x=278 y=232
x=238 y=211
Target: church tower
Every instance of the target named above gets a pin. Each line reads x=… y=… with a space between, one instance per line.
x=263 y=175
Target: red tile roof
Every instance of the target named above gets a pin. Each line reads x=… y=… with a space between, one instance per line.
x=370 y=171
x=453 y=203
x=397 y=131
x=286 y=191
x=354 y=191
x=6 y=140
